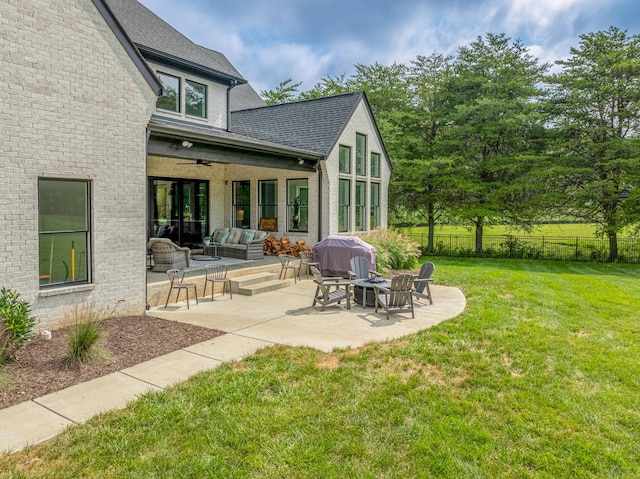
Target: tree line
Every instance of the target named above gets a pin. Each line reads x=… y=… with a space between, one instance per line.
x=492 y=135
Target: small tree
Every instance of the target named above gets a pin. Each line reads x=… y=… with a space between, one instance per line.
x=16 y=323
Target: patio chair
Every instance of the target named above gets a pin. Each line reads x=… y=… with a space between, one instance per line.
x=168 y=255
x=305 y=260
x=421 y=284
x=360 y=268
x=176 y=277
x=397 y=297
x=289 y=262
x=217 y=273
x=324 y=294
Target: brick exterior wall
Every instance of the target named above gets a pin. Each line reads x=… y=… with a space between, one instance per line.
x=361 y=122
x=74 y=106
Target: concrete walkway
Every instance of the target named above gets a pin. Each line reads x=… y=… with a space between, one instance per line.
x=251 y=322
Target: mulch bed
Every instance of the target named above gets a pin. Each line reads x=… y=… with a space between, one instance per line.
x=41 y=367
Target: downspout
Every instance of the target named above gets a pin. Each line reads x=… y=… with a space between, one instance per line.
x=320 y=202
x=146 y=214
x=233 y=83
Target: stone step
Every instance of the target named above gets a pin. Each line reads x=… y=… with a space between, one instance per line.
x=249 y=279
x=264 y=287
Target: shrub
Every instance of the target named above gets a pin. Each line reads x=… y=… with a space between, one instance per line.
x=394 y=250
x=16 y=324
x=83 y=342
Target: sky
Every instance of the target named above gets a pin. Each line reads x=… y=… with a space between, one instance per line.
x=271 y=41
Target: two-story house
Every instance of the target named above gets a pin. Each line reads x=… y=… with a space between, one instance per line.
x=117 y=128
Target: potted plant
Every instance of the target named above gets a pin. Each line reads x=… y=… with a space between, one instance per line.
x=206 y=240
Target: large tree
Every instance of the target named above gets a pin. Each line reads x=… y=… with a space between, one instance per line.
x=596 y=110
x=492 y=126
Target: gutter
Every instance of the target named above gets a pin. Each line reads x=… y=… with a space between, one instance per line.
x=231 y=85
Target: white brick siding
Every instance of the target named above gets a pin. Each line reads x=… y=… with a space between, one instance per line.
x=75 y=106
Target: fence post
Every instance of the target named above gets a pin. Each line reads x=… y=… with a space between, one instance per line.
x=577 y=248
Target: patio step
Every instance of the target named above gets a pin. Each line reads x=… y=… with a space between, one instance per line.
x=252 y=284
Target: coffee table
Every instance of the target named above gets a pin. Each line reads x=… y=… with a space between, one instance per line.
x=211 y=250
x=368 y=297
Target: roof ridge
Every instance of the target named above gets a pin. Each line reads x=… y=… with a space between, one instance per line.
x=297 y=102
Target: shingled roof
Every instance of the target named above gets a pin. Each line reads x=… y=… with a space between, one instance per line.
x=313 y=125
x=151 y=34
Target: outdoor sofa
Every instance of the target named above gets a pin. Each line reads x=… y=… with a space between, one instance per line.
x=239 y=243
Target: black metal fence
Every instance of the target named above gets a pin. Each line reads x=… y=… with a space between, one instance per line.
x=531 y=247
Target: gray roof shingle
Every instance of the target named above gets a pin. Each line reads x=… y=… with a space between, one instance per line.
x=148 y=31
x=312 y=125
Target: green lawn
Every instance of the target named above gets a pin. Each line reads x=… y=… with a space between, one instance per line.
x=538 y=378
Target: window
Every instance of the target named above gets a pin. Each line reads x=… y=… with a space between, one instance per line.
x=64 y=231
x=344 y=200
x=361 y=205
x=298 y=205
x=170 y=99
x=375 y=165
x=374 y=221
x=242 y=204
x=195 y=99
x=361 y=149
x=345 y=159
x=268 y=205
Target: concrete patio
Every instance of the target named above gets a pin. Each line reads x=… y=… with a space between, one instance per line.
x=251 y=322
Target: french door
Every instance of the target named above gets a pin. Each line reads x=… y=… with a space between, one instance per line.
x=179 y=210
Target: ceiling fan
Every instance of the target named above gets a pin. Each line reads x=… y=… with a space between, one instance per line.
x=197 y=163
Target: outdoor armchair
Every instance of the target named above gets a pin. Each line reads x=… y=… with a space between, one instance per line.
x=168 y=255
x=330 y=290
x=421 y=284
x=397 y=297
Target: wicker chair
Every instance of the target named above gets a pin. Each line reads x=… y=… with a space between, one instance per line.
x=168 y=255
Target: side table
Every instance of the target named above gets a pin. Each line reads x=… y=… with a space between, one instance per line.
x=212 y=250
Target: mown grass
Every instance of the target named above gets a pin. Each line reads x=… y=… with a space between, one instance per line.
x=538 y=378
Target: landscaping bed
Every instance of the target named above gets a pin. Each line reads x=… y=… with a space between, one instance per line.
x=41 y=368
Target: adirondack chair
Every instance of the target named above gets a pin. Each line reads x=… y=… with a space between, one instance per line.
x=397 y=297
x=360 y=268
x=421 y=284
x=330 y=290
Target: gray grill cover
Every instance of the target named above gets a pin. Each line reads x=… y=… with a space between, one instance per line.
x=335 y=252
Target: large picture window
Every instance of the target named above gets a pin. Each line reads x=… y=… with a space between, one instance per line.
x=170 y=99
x=361 y=158
x=64 y=231
x=344 y=201
x=195 y=99
x=298 y=205
x=268 y=205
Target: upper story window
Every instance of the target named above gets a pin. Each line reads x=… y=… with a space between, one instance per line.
x=170 y=99
x=345 y=159
x=375 y=165
x=361 y=149
x=195 y=99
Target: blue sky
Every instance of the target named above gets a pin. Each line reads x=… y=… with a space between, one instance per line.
x=270 y=41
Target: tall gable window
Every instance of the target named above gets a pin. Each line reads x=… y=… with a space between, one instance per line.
x=361 y=205
x=374 y=220
x=345 y=159
x=344 y=203
x=361 y=149
x=64 y=231
x=195 y=99
x=375 y=165
x=170 y=99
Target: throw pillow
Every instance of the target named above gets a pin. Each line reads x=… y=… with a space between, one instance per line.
x=216 y=237
x=234 y=235
x=247 y=236
x=222 y=236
